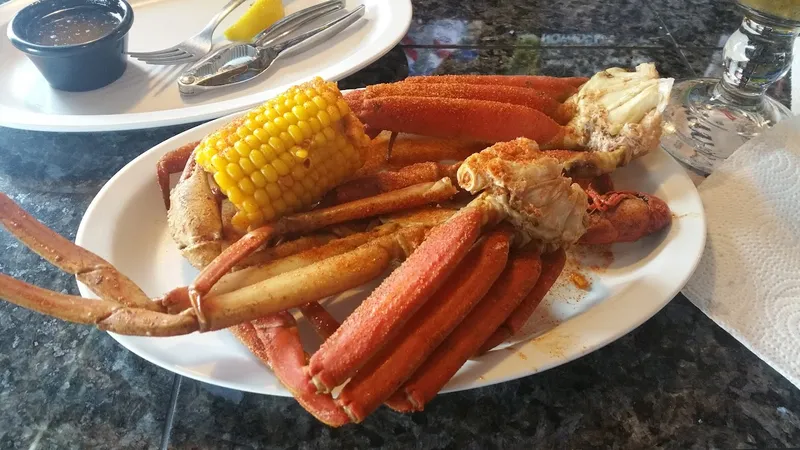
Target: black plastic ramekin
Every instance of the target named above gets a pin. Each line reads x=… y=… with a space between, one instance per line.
x=79 y=67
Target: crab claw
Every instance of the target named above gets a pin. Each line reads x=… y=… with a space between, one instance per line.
x=624 y=217
x=619 y=109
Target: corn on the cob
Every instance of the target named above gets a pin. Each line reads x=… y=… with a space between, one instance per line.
x=284 y=155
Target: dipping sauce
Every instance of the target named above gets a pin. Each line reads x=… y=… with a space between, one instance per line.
x=72 y=26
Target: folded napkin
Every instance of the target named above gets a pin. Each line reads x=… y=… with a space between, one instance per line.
x=748 y=280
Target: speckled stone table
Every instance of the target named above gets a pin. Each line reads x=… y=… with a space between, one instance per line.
x=678 y=381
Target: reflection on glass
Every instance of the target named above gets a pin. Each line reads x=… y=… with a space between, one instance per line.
x=708 y=118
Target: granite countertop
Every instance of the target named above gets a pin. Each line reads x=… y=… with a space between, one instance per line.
x=677 y=381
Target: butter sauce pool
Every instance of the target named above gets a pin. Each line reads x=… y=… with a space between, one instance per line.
x=72 y=26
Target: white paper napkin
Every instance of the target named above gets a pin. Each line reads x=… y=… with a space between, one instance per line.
x=795 y=73
x=748 y=280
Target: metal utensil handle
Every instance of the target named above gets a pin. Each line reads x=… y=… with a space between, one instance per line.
x=220 y=16
x=304 y=41
x=291 y=21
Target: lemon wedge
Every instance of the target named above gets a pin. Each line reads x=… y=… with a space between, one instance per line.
x=260 y=15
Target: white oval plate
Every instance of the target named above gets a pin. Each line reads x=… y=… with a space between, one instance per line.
x=126 y=224
x=147 y=96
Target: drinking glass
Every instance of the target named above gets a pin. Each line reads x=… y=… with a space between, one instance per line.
x=707 y=119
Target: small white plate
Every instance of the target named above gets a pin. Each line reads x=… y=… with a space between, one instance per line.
x=147 y=96
x=126 y=224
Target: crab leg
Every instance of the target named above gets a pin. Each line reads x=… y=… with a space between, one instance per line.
x=275 y=340
x=319 y=317
x=384 y=374
x=516 y=281
x=552 y=265
x=106 y=314
x=409 y=197
x=90 y=269
x=173 y=162
x=558 y=88
x=389 y=307
x=514 y=95
x=285 y=258
x=322 y=279
x=459 y=118
x=388 y=181
x=407 y=150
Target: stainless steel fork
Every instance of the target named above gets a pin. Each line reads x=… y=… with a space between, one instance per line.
x=192 y=49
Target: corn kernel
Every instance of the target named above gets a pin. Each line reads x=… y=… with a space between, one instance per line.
x=234 y=195
x=221 y=144
x=279 y=205
x=234 y=171
x=247 y=186
x=287 y=139
x=253 y=141
x=320 y=140
x=218 y=162
x=288 y=159
x=257 y=158
x=230 y=155
x=255 y=218
x=274 y=191
x=311 y=108
x=272 y=129
x=268 y=152
x=307 y=198
x=305 y=128
x=344 y=108
x=271 y=114
x=280 y=167
x=291 y=118
x=280 y=108
x=269 y=173
x=286 y=182
x=300 y=98
x=268 y=213
x=291 y=199
x=250 y=124
x=296 y=134
x=262 y=135
x=277 y=145
x=242 y=148
x=242 y=131
x=319 y=101
x=258 y=179
x=239 y=221
x=324 y=118
x=261 y=197
x=250 y=206
x=247 y=166
x=260 y=119
x=298 y=172
x=333 y=111
x=301 y=153
x=281 y=123
x=330 y=97
x=232 y=138
x=300 y=112
x=298 y=190
x=330 y=134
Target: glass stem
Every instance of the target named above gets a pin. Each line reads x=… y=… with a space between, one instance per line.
x=757 y=55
